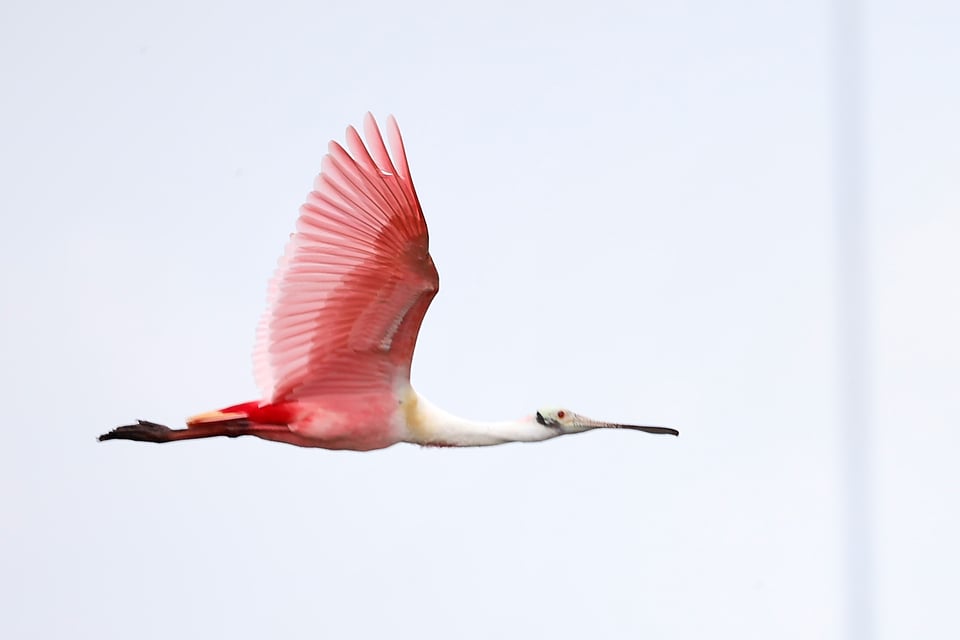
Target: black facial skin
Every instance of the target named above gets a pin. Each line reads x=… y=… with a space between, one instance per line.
x=553 y=424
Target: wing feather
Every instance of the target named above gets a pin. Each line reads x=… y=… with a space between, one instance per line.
x=350 y=291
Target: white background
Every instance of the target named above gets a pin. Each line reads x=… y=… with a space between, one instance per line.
x=630 y=207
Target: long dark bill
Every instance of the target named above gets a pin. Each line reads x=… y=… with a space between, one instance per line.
x=662 y=430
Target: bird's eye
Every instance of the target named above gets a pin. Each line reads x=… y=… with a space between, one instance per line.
x=561 y=414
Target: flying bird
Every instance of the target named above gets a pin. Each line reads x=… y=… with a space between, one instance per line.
x=334 y=347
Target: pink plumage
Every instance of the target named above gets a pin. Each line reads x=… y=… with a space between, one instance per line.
x=334 y=347
x=355 y=280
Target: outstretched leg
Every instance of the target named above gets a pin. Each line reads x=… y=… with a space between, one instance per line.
x=145 y=431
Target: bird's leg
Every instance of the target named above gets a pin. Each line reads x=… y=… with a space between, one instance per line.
x=145 y=431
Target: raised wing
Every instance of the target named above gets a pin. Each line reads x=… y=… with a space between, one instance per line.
x=346 y=303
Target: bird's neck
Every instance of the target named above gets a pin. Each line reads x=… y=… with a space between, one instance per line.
x=430 y=425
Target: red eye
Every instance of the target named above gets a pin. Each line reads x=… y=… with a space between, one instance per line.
x=561 y=414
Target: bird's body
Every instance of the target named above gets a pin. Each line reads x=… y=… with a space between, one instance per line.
x=334 y=348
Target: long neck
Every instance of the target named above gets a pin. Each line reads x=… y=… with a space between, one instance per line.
x=430 y=425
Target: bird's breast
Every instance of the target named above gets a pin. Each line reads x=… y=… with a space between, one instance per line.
x=359 y=422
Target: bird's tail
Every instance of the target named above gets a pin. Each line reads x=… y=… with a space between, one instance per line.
x=248 y=418
x=244 y=412
x=231 y=422
x=281 y=413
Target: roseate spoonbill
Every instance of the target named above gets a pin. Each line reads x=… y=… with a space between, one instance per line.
x=333 y=349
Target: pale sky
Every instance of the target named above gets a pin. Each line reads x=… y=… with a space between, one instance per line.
x=630 y=207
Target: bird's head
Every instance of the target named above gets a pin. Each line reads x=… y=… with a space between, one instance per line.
x=566 y=421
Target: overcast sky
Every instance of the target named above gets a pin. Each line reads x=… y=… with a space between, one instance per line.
x=630 y=206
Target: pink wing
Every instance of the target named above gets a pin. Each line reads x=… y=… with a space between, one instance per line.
x=347 y=300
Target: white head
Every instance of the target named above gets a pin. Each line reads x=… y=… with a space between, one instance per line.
x=565 y=421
